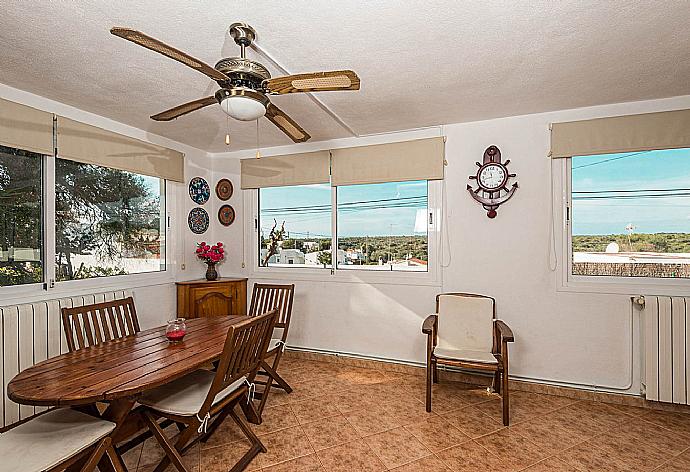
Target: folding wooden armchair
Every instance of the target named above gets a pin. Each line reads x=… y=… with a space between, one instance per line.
x=464 y=332
x=90 y=325
x=267 y=297
x=202 y=399
x=56 y=440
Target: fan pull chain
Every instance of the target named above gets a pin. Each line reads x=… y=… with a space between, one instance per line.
x=227 y=134
x=258 y=152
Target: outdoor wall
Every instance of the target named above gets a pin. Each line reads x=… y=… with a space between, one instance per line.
x=584 y=339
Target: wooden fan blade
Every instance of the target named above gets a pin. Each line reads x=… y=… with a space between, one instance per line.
x=313 y=82
x=286 y=124
x=180 y=110
x=160 y=47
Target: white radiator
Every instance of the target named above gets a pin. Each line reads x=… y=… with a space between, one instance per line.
x=666 y=333
x=29 y=334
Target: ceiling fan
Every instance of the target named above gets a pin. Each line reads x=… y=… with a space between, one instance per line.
x=245 y=84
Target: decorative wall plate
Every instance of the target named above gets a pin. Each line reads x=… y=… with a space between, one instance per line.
x=199 y=191
x=224 y=189
x=198 y=220
x=226 y=215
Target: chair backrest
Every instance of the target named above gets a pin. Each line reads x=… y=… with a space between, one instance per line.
x=245 y=346
x=90 y=325
x=213 y=304
x=465 y=321
x=266 y=297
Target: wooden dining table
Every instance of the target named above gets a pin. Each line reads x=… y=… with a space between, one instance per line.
x=119 y=371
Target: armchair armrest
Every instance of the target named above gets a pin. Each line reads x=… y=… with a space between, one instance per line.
x=429 y=324
x=505 y=332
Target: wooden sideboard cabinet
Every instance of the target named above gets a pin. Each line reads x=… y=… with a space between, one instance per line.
x=201 y=298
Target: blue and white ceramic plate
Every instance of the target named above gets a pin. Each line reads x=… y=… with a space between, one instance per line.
x=199 y=191
x=198 y=220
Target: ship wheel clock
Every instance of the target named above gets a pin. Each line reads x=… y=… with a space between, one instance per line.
x=492 y=180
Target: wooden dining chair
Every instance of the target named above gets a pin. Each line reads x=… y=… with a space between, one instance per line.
x=465 y=333
x=267 y=297
x=90 y=325
x=56 y=440
x=201 y=400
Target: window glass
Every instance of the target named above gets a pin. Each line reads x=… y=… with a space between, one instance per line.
x=295 y=226
x=107 y=222
x=21 y=245
x=383 y=226
x=631 y=214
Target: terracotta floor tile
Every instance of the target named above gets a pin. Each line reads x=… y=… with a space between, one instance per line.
x=284 y=445
x=473 y=422
x=552 y=464
x=350 y=457
x=360 y=419
x=661 y=438
x=679 y=463
x=587 y=457
x=678 y=422
x=228 y=432
x=328 y=432
x=548 y=434
x=275 y=418
x=470 y=457
x=436 y=433
x=426 y=464
x=638 y=455
x=396 y=447
x=512 y=448
x=368 y=422
x=313 y=409
x=308 y=463
x=223 y=458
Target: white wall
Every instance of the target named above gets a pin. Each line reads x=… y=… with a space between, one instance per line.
x=584 y=339
x=155 y=295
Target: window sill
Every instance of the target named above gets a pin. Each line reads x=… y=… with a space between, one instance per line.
x=347 y=276
x=624 y=286
x=35 y=292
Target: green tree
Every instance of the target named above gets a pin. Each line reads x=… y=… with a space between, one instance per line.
x=104 y=212
x=325 y=258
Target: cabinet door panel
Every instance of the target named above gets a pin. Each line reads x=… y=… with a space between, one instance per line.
x=213 y=301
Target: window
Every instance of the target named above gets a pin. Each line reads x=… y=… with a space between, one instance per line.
x=107 y=222
x=21 y=245
x=383 y=226
x=630 y=214
x=295 y=226
x=380 y=227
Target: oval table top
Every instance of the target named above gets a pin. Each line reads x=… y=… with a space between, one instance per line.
x=121 y=368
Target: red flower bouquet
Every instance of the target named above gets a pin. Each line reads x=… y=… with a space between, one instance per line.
x=211 y=255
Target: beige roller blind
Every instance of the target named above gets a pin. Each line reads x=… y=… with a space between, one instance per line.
x=290 y=169
x=644 y=132
x=85 y=143
x=26 y=128
x=421 y=159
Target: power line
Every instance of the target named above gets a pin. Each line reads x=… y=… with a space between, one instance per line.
x=609 y=160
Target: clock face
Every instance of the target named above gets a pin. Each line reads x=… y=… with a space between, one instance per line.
x=492 y=176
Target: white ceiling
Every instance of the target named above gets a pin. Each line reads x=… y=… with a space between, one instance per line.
x=421 y=62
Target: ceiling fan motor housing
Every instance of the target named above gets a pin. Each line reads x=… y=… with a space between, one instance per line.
x=243 y=72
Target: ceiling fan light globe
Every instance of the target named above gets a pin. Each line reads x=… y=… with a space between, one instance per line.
x=243 y=108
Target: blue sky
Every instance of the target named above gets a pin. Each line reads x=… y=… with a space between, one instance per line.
x=608 y=192
x=367 y=210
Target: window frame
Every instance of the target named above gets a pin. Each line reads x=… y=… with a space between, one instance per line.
x=568 y=282
x=50 y=288
x=333 y=274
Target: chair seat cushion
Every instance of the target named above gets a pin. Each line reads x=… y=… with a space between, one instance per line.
x=49 y=439
x=465 y=355
x=186 y=395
